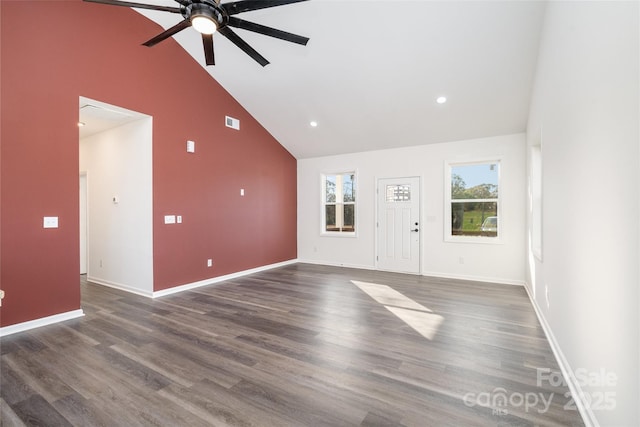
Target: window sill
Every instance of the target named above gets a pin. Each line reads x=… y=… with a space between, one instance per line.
x=537 y=253
x=338 y=234
x=474 y=239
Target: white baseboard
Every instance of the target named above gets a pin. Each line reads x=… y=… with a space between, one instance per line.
x=336 y=264
x=429 y=273
x=43 y=321
x=498 y=280
x=587 y=414
x=218 y=279
x=119 y=286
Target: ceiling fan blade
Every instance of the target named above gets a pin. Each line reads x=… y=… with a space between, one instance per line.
x=235 y=39
x=138 y=5
x=247 y=5
x=168 y=33
x=207 y=42
x=267 y=31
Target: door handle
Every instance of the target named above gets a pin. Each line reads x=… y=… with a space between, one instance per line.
x=415 y=231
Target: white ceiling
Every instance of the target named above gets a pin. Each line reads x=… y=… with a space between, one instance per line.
x=373 y=69
x=95 y=117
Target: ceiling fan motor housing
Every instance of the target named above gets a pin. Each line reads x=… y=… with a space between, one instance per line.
x=207 y=9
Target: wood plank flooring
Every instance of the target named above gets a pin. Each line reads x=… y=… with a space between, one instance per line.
x=301 y=345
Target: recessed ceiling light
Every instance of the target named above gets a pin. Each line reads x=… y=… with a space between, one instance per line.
x=313 y=123
x=80 y=124
x=441 y=99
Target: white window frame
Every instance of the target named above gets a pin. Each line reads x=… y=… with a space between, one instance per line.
x=448 y=237
x=323 y=204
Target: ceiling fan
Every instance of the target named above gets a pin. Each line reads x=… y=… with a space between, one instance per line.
x=209 y=16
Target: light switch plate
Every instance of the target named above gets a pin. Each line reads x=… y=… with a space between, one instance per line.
x=50 y=222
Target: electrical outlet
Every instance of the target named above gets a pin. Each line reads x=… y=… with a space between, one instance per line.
x=50 y=222
x=209 y=262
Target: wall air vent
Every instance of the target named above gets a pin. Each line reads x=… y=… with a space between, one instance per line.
x=232 y=123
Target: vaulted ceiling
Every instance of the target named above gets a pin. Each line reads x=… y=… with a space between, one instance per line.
x=372 y=71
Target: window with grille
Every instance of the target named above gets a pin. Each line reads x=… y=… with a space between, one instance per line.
x=339 y=203
x=473 y=200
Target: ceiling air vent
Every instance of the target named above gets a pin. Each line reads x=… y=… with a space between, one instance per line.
x=232 y=123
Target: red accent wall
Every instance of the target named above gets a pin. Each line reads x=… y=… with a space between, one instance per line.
x=52 y=52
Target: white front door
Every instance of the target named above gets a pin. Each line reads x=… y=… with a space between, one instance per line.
x=399 y=225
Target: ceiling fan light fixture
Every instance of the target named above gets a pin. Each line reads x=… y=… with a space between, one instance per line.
x=204 y=24
x=210 y=16
x=203 y=18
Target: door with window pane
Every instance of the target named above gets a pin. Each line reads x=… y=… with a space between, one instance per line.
x=399 y=225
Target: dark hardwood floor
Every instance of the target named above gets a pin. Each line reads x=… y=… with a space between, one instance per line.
x=301 y=345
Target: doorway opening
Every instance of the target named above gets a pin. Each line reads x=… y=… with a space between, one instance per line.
x=116 y=212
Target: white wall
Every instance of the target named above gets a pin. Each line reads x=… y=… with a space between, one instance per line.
x=118 y=164
x=502 y=262
x=585 y=113
x=83 y=223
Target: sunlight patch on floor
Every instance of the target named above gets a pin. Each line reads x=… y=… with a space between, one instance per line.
x=414 y=314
